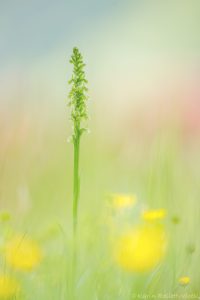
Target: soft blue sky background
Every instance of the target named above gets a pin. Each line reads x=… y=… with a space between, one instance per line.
x=34 y=28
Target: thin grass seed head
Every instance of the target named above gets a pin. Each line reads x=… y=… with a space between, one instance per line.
x=78 y=94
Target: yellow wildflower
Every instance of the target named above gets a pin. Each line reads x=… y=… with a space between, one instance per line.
x=184 y=280
x=141 y=249
x=120 y=201
x=9 y=287
x=22 y=253
x=151 y=215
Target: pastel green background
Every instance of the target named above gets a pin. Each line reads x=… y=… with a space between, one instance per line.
x=143 y=63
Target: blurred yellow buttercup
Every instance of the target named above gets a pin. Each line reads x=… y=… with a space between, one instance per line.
x=151 y=215
x=141 y=249
x=9 y=287
x=120 y=201
x=184 y=280
x=22 y=253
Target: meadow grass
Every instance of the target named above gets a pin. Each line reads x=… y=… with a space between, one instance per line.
x=162 y=172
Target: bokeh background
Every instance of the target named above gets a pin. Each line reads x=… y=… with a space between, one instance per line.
x=143 y=68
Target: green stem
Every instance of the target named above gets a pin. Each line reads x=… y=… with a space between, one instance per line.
x=76 y=182
x=76 y=187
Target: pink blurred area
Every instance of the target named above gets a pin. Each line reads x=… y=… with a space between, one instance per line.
x=171 y=100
